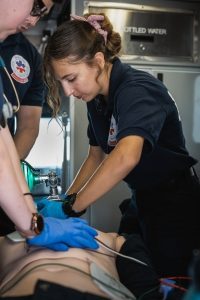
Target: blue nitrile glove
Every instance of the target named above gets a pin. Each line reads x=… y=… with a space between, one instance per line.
x=73 y=232
x=49 y=208
x=57 y=247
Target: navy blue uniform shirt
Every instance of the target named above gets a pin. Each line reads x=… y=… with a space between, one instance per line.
x=24 y=65
x=139 y=104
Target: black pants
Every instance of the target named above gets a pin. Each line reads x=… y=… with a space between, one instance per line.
x=139 y=279
x=51 y=291
x=6 y=225
x=168 y=219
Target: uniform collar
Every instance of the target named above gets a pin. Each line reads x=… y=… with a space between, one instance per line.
x=12 y=39
x=116 y=78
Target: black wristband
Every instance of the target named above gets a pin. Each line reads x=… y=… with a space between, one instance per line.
x=67 y=206
x=25 y=194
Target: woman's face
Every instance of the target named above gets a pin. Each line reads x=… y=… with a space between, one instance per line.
x=78 y=80
x=13 y=13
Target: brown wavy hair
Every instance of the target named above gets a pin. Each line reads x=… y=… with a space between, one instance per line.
x=77 y=41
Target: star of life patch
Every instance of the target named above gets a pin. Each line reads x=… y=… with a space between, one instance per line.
x=20 y=68
x=112 y=138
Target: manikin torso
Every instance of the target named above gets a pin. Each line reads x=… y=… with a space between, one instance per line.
x=58 y=267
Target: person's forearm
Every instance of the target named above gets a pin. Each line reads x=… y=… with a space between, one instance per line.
x=24 y=140
x=14 y=158
x=11 y=196
x=86 y=171
x=113 y=169
x=103 y=180
x=28 y=122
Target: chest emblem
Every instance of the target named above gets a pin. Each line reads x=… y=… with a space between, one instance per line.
x=112 y=141
x=20 y=68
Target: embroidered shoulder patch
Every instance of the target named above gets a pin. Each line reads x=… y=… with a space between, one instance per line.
x=20 y=68
x=112 y=137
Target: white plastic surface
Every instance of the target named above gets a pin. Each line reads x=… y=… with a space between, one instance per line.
x=109 y=285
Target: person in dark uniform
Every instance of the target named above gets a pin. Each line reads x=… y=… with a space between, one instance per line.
x=24 y=64
x=51 y=233
x=135 y=134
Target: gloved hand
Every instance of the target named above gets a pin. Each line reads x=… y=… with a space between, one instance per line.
x=49 y=208
x=58 y=247
x=61 y=234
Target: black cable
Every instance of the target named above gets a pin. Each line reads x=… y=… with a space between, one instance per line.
x=148 y=292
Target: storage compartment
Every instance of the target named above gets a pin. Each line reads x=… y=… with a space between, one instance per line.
x=153 y=33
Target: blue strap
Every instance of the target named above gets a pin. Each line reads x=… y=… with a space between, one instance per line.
x=1 y=98
x=2 y=64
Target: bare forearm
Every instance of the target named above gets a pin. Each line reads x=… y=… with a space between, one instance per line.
x=86 y=171
x=14 y=160
x=113 y=169
x=102 y=181
x=11 y=196
x=28 y=121
x=24 y=140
